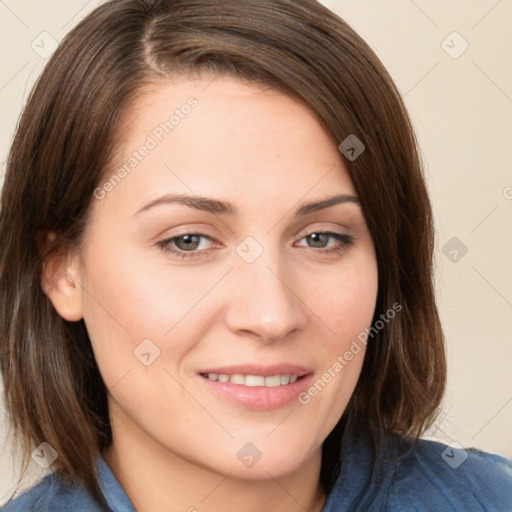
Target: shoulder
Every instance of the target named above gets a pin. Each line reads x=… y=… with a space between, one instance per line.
x=51 y=494
x=446 y=477
x=419 y=475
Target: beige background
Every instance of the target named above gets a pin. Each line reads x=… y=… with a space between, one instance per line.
x=461 y=106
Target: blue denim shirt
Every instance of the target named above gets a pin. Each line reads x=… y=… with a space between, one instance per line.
x=426 y=476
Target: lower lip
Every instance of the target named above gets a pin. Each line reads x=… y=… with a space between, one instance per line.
x=259 y=398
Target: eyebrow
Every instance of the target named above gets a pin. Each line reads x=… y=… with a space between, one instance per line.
x=218 y=207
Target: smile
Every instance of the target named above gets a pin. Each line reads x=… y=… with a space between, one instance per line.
x=257 y=387
x=271 y=381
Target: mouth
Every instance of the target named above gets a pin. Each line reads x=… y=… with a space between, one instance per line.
x=256 y=387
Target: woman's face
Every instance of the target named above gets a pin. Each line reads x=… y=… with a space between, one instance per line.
x=240 y=287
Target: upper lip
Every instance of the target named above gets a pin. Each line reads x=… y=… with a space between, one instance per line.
x=254 y=369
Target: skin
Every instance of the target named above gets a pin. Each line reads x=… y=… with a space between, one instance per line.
x=175 y=441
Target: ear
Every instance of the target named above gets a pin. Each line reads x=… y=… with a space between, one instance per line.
x=60 y=280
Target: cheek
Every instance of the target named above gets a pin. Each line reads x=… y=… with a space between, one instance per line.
x=346 y=306
x=347 y=302
x=121 y=308
x=142 y=293
x=129 y=300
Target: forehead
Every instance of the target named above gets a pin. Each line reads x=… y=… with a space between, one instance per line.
x=224 y=138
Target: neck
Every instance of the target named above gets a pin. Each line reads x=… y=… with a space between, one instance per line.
x=157 y=480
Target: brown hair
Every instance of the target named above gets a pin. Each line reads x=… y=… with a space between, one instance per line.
x=64 y=143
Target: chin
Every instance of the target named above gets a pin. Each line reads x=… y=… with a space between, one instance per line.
x=262 y=460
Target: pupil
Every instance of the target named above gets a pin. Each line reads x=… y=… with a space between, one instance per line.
x=188 y=239
x=316 y=238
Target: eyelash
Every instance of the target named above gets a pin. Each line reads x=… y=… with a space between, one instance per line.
x=346 y=241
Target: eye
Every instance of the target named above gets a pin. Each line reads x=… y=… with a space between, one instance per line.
x=188 y=245
x=321 y=238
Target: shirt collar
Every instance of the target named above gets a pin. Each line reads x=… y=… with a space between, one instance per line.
x=114 y=494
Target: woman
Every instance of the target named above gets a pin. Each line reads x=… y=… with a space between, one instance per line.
x=291 y=357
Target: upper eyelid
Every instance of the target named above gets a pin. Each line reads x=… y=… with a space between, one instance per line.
x=307 y=230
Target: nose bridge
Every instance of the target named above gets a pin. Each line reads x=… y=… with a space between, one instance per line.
x=264 y=302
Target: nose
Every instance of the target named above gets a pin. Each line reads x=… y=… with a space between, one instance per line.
x=264 y=302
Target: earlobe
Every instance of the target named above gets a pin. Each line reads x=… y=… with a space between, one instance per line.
x=60 y=275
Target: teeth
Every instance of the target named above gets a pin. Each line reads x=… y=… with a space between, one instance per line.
x=237 y=379
x=276 y=380
x=254 y=380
